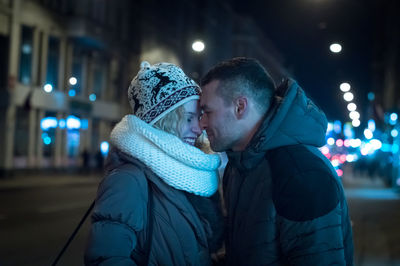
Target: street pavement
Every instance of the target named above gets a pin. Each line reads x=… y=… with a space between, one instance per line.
x=374 y=210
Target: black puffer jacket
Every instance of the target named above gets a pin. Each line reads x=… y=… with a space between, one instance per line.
x=285 y=203
x=181 y=234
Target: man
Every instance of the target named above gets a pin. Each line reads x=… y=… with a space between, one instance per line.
x=285 y=204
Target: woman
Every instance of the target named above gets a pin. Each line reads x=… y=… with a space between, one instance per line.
x=154 y=206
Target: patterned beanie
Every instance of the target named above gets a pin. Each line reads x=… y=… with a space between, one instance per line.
x=157 y=90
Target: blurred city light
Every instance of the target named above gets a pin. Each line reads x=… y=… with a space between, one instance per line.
x=348 y=96
x=393 y=117
x=73 y=122
x=331 y=141
x=395 y=148
x=339 y=172
x=376 y=144
x=339 y=142
x=84 y=124
x=48 y=122
x=346 y=143
x=345 y=87
x=371 y=125
x=368 y=133
x=356 y=123
x=61 y=123
x=394 y=133
x=324 y=150
x=337 y=126
x=72 y=80
x=330 y=127
x=48 y=88
x=104 y=147
x=46 y=139
x=198 y=46
x=26 y=48
x=371 y=96
x=335 y=48
x=92 y=97
x=348 y=130
x=71 y=92
x=351 y=107
x=354 y=115
x=355 y=143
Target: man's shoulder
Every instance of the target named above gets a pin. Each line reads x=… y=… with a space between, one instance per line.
x=304 y=187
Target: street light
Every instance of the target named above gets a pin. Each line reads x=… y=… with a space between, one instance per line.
x=72 y=80
x=345 y=87
x=356 y=123
x=48 y=88
x=335 y=48
x=198 y=46
x=351 y=107
x=348 y=96
x=354 y=115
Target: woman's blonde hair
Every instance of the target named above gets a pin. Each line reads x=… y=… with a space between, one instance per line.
x=172 y=122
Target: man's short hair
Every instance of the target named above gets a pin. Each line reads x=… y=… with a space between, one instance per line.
x=242 y=76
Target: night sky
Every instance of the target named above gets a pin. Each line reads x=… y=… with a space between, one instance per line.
x=302 y=31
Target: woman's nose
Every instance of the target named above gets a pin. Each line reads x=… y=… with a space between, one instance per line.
x=196 y=128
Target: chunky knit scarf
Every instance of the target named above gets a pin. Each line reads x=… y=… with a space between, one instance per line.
x=180 y=165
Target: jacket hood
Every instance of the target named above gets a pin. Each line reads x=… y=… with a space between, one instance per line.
x=292 y=119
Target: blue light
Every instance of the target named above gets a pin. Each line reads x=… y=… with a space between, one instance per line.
x=394 y=133
x=104 y=147
x=71 y=92
x=92 y=97
x=337 y=126
x=61 y=123
x=84 y=124
x=48 y=122
x=371 y=96
x=330 y=127
x=47 y=140
x=386 y=147
x=395 y=148
x=393 y=116
x=73 y=122
x=348 y=130
x=371 y=125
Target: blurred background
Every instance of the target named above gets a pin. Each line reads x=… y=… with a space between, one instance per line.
x=65 y=66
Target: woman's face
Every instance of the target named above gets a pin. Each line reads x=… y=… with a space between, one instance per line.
x=190 y=128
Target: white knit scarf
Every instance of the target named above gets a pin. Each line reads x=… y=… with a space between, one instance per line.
x=179 y=164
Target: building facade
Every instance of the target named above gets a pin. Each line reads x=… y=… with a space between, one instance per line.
x=66 y=66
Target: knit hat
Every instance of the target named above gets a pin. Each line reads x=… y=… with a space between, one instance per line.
x=158 y=89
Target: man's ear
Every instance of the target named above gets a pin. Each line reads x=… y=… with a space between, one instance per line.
x=241 y=106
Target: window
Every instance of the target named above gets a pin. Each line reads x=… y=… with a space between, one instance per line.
x=25 y=62
x=98 y=81
x=53 y=59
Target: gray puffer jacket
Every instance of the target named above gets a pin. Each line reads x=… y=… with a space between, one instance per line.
x=285 y=203
x=120 y=218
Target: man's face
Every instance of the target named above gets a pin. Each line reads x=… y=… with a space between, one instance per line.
x=218 y=118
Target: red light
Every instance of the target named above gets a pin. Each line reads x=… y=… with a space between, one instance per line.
x=328 y=155
x=342 y=158
x=347 y=143
x=339 y=142
x=339 y=172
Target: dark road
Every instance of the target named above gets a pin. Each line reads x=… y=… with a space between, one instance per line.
x=36 y=221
